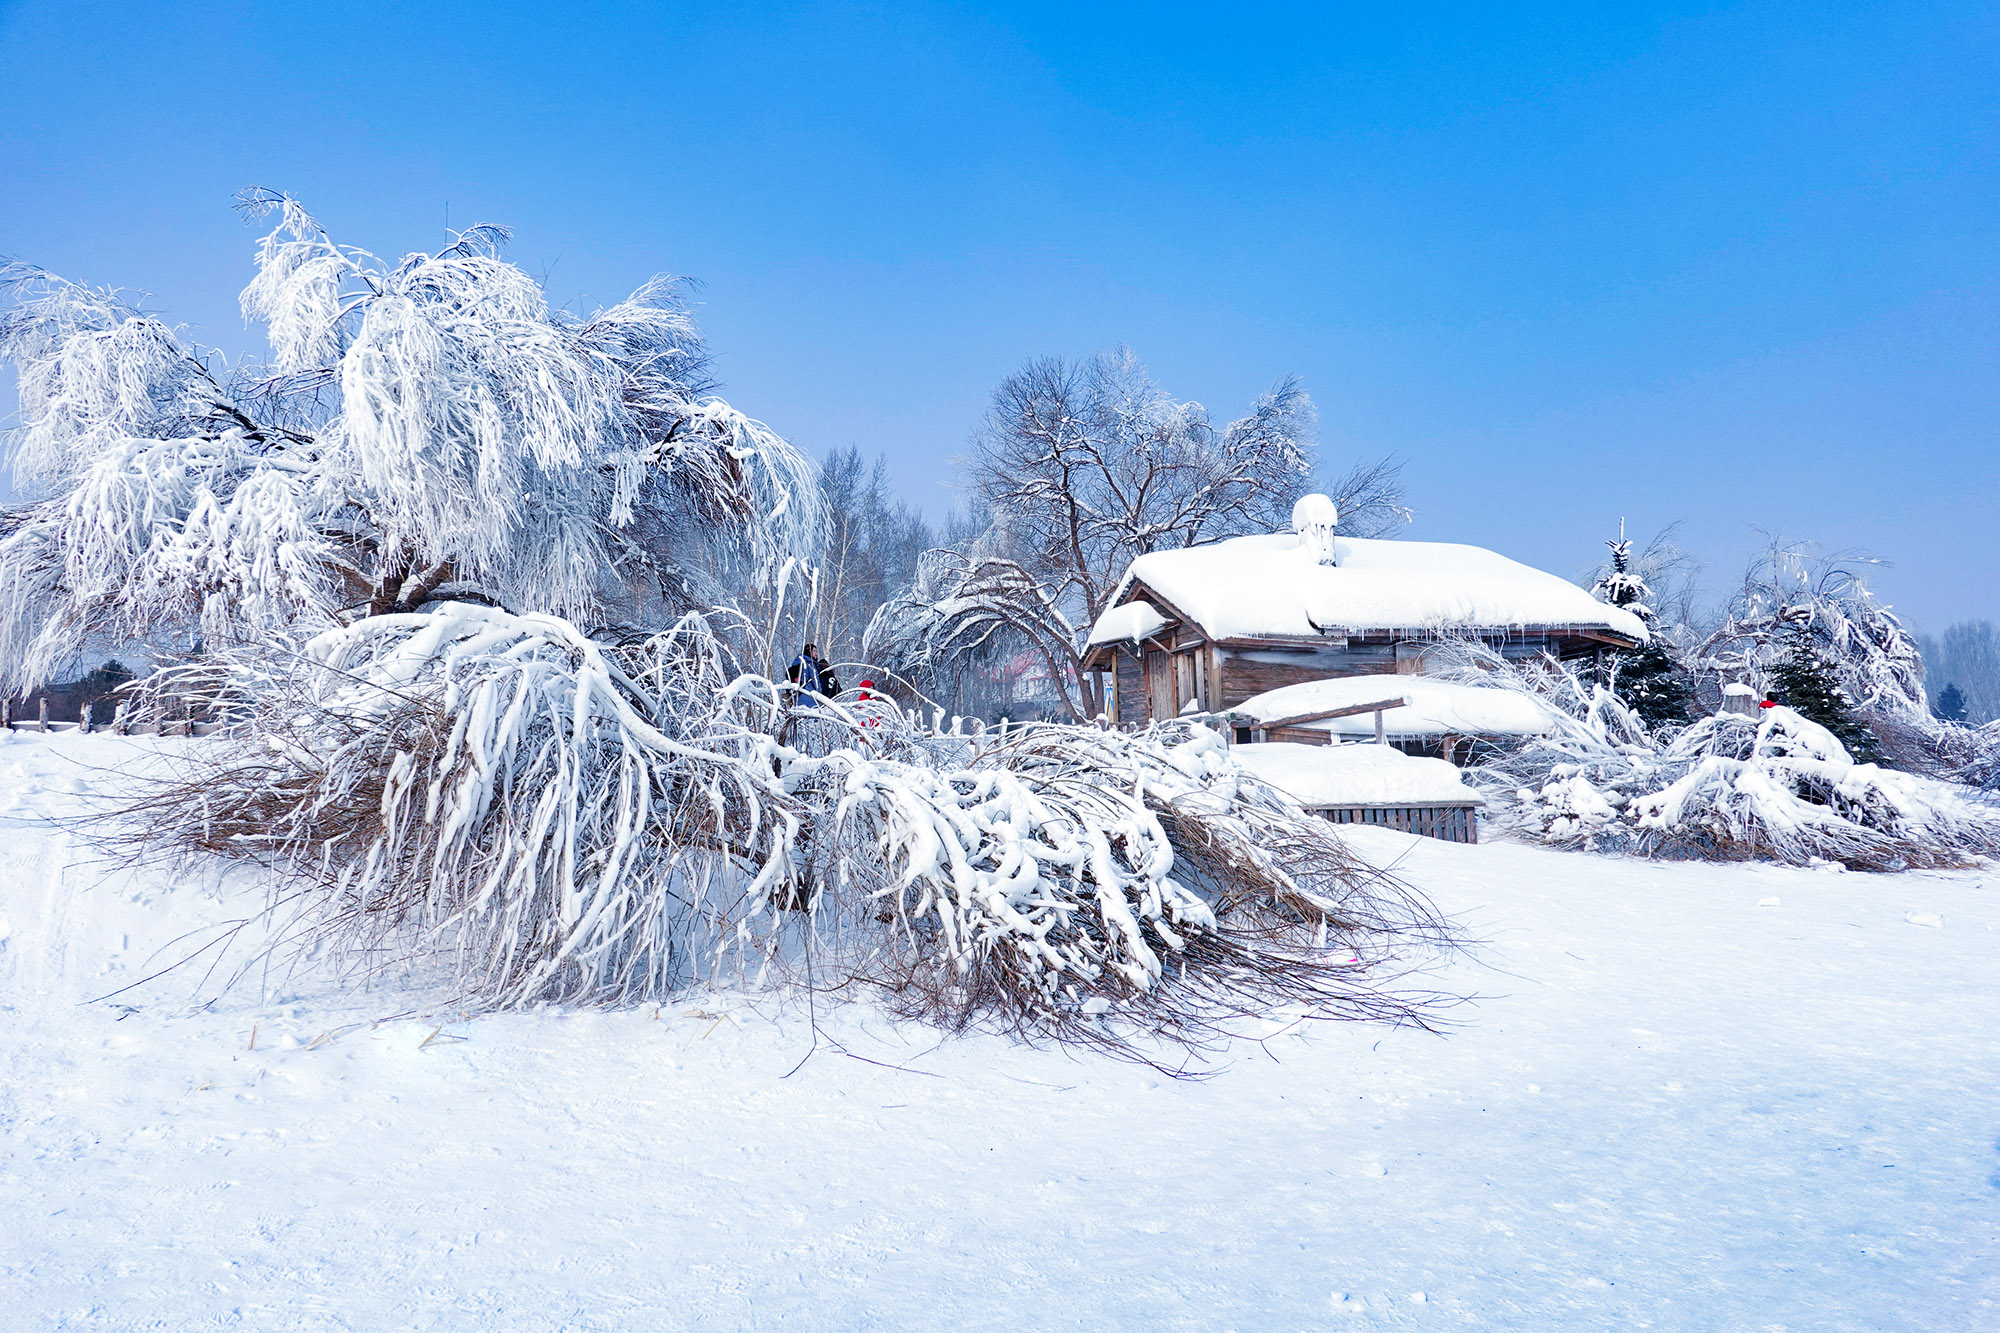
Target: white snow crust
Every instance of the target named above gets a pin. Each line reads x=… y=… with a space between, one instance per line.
x=1355 y=774
x=1274 y=585
x=1668 y=1108
x=1435 y=708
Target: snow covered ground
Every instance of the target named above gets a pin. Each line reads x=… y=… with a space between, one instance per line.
x=1687 y=1097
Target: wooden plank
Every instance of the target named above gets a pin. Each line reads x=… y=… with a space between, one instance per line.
x=1329 y=714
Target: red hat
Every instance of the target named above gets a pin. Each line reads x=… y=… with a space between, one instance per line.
x=867 y=684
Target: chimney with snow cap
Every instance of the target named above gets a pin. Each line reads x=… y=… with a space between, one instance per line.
x=1314 y=518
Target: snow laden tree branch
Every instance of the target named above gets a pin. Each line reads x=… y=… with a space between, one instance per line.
x=965 y=608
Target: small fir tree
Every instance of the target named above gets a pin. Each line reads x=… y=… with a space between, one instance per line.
x=1950 y=706
x=1805 y=681
x=1653 y=684
x=1649 y=679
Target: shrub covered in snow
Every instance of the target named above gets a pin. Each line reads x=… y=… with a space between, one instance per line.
x=578 y=822
x=1731 y=785
x=1778 y=785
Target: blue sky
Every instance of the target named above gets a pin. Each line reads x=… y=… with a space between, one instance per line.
x=1728 y=264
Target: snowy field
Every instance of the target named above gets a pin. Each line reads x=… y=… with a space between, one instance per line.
x=1687 y=1097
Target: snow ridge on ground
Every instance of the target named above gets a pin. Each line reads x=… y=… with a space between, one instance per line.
x=1686 y=1097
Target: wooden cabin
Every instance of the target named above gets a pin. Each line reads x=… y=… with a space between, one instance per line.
x=1209 y=627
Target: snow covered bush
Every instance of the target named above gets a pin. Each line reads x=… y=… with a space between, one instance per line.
x=572 y=821
x=1058 y=873
x=1729 y=786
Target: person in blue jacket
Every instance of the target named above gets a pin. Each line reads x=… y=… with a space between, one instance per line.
x=813 y=675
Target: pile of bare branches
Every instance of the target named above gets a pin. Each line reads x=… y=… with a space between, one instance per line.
x=566 y=820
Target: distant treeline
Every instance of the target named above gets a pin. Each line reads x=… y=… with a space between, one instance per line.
x=1964 y=659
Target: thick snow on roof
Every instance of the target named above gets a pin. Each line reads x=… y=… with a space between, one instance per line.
x=1355 y=775
x=1127 y=624
x=1274 y=585
x=1436 y=707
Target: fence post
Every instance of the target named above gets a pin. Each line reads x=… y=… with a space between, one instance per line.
x=42 y=718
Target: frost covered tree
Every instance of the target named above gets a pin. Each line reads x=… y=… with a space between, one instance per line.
x=1950 y=705
x=964 y=612
x=1793 y=595
x=1083 y=467
x=420 y=429
x=1805 y=681
x=1650 y=679
x=1088 y=465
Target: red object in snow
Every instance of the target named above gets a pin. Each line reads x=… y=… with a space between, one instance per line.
x=1767 y=704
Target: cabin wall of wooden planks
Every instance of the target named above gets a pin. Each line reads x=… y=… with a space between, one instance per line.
x=1163 y=676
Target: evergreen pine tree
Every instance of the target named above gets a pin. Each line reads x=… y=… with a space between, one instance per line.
x=1950 y=706
x=1653 y=685
x=1648 y=679
x=1804 y=681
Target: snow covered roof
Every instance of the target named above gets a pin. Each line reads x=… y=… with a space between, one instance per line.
x=1435 y=708
x=1355 y=775
x=1133 y=621
x=1274 y=585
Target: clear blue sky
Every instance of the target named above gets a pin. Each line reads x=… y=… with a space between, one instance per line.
x=1733 y=264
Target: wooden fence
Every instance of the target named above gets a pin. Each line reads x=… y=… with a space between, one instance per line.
x=117 y=724
x=1448 y=823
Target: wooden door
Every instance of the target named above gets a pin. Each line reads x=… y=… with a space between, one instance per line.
x=1159 y=686
x=1185 y=689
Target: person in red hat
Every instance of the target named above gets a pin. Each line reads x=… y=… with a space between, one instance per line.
x=869 y=707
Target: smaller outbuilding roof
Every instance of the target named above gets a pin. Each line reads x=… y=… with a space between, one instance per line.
x=1435 y=708
x=1322 y=775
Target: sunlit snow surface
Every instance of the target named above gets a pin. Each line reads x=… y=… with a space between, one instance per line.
x=1675 y=1104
